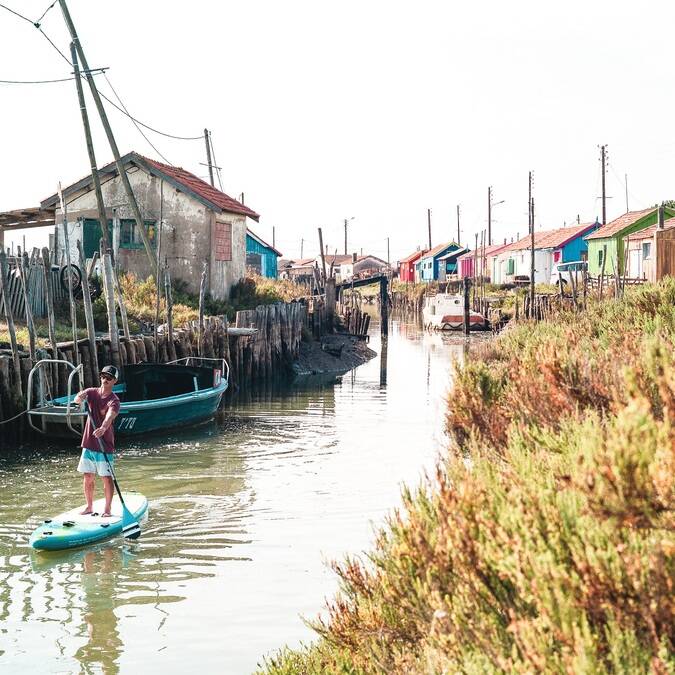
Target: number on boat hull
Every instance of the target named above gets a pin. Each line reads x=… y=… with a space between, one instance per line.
x=126 y=423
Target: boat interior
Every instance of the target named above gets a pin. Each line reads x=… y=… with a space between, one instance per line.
x=149 y=381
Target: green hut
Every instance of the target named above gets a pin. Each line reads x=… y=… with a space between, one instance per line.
x=608 y=241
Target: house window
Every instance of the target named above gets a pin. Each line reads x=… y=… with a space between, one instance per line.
x=223 y=241
x=600 y=252
x=647 y=250
x=130 y=236
x=510 y=266
x=556 y=256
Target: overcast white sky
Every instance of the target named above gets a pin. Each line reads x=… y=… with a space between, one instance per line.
x=371 y=109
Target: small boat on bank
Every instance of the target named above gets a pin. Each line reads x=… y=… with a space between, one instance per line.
x=153 y=396
x=445 y=311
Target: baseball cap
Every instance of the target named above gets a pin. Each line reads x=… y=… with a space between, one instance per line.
x=110 y=370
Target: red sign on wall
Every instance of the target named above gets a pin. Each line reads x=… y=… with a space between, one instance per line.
x=223 y=241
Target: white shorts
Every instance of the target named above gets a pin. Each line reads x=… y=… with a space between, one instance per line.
x=94 y=462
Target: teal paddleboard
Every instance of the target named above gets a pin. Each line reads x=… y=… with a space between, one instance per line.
x=72 y=529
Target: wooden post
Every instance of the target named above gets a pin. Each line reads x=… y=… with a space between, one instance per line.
x=49 y=300
x=330 y=303
x=111 y=139
x=10 y=325
x=171 y=347
x=88 y=313
x=71 y=299
x=466 y=282
x=202 y=293
x=22 y=265
x=323 y=258
x=384 y=308
x=109 y=290
x=602 y=269
x=158 y=278
x=122 y=306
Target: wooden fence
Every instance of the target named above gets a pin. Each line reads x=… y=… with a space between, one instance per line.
x=35 y=285
x=261 y=346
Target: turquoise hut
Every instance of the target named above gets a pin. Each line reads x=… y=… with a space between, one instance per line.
x=260 y=256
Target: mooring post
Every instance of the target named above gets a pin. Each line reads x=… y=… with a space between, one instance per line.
x=467 y=311
x=384 y=308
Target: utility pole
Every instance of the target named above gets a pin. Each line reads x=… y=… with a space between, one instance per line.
x=387 y=251
x=274 y=244
x=531 y=212
x=208 y=156
x=302 y=248
x=626 y=182
x=345 y=236
x=603 y=160
x=489 y=232
x=458 y=238
x=429 y=225
x=111 y=139
x=90 y=148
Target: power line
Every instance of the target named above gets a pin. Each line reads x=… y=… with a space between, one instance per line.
x=45 y=12
x=123 y=111
x=21 y=16
x=135 y=124
x=63 y=79
x=63 y=56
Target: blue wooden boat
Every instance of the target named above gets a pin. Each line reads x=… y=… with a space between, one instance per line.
x=153 y=397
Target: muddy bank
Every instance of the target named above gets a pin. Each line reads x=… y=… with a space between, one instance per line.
x=332 y=354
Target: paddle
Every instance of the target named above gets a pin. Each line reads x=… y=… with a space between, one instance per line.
x=130 y=527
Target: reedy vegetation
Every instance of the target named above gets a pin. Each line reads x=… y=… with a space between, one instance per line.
x=546 y=541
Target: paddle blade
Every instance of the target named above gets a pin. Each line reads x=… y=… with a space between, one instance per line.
x=130 y=527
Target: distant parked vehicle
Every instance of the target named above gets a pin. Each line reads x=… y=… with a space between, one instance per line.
x=562 y=271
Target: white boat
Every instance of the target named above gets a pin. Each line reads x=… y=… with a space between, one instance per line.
x=445 y=311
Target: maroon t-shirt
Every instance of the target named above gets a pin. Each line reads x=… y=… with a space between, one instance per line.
x=99 y=406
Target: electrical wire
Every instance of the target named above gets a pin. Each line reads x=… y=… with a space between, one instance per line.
x=134 y=121
x=63 y=79
x=21 y=16
x=45 y=12
x=122 y=110
x=63 y=56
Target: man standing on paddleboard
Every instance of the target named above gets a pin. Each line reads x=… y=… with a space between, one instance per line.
x=104 y=407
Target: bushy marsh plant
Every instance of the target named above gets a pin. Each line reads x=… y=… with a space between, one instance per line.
x=553 y=548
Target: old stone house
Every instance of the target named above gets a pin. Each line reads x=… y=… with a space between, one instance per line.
x=200 y=223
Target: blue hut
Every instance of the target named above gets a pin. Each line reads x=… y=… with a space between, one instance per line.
x=260 y=256
x=429 y=262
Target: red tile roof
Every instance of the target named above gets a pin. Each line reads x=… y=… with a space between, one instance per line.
x=412 y=257
x=493 y=249
x=526 y=241
x=202 y=188
x=181 y=178
x=563 y=235
x=621 y=223
x=648 y=232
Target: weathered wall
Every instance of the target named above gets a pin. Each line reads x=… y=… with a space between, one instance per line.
x=186 y=236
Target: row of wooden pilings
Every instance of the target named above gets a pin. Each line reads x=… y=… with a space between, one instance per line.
x=260 y=346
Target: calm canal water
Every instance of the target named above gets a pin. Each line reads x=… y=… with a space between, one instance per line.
x=245 y=512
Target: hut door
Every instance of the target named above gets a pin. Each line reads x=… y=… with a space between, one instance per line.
x=91 y=236
x=635 y=264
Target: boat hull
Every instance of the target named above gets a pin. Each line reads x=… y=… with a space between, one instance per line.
x=142 y=417
x=446 y=312
x=176 y=411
